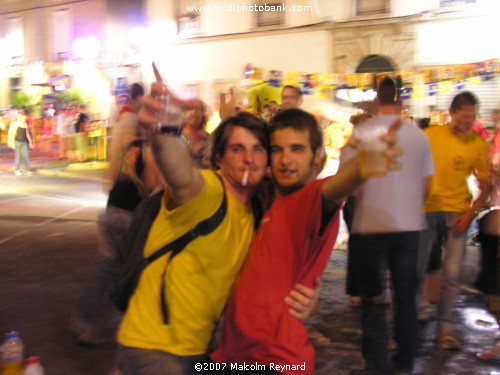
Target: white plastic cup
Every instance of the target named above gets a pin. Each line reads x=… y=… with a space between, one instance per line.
x=371 y=158
x=171 y=118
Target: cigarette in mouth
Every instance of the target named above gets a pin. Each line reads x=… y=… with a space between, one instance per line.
x=244 y=180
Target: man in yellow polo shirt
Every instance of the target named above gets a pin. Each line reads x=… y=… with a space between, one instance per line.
x=458 y=153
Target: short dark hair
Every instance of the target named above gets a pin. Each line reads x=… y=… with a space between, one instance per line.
x=464 y=98
x=297 y=90
x=246 y=120
x=386 y=92
x=299 y=120
x=136 y=90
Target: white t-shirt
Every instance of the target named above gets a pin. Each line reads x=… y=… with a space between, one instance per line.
x=394 y=203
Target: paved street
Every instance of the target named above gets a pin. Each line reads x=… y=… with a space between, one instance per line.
x=47 y=249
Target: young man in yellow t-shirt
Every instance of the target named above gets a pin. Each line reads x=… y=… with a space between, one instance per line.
x=458 y=153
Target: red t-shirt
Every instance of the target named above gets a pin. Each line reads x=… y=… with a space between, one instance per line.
x=287 y=249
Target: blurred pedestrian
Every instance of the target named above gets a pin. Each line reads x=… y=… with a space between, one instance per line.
x=479 y=129
x=20 y=139
x=458 y=153
x=63 y=133
x=267 y=114
x=197 y=137
x=2 y=129
x=133 y=175
x=291 y=97
x=385 y=235
x=488 y=280
x=348 y=213
x=124 y=131
x=81 y=141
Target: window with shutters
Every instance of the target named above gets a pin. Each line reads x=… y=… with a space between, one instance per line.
x=273 y=16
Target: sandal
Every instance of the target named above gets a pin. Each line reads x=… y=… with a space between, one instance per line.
x=355 y=302
x=489 y=355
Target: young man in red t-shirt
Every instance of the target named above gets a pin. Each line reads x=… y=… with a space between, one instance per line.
x=292 y=245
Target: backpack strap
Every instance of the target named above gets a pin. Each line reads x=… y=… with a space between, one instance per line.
x=203 y=228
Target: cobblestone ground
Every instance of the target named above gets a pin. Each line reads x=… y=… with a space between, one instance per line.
x=42 y=272
x=336 y=334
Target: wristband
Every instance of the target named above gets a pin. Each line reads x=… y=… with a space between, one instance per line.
x=173 y=131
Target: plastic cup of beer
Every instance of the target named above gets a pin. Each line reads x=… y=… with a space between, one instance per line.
x=371 y=158
x=171 y=117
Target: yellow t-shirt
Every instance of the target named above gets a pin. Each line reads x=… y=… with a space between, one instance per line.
x=198 y=280
x=262 y=94
x=456 y=157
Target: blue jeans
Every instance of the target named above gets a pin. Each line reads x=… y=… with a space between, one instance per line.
x=21 y=150
x=372 y=256
x=134 y=361
x=454 y=253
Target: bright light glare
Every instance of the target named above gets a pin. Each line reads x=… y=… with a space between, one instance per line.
x=356 y=96
x=479 y=319
x=86 y=48
x=138 y=36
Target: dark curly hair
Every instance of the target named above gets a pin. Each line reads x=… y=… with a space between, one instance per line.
x=242 y=119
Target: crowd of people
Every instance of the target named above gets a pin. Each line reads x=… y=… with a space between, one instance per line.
x=67 y=127
x=239 y=293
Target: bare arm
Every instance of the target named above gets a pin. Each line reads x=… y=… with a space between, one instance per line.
x=462 y=222
x=171 y=153
x=174 y=162
x=427 y=185
x=28 y=136
x=120 y=140
x=348 y=179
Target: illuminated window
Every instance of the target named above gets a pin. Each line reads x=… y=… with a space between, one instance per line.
x=14 y=38
x=269 y=13
x=61 y=34
x=369 y=7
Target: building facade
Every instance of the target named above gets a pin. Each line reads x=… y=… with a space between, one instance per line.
x=204 y=46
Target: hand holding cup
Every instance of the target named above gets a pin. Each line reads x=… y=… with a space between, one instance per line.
x=162 y=111
x=377 y=150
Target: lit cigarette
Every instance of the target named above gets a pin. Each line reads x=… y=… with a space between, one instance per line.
x=244 y=180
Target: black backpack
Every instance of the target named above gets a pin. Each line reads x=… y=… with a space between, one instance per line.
x=129 y=261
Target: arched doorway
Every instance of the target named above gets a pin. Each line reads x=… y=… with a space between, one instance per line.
x=375 y=64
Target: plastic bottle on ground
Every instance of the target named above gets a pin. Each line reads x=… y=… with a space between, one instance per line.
x=12 y=351
x=33 y=367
